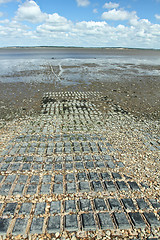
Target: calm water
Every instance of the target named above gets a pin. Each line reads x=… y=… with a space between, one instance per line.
x=73 y=65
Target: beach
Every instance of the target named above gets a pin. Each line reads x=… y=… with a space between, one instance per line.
x=79 y=144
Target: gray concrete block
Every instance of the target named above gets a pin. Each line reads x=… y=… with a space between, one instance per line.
x=79 y=165
x=18 y=190
x=40 y=208
x=45 y=188
x=25 y=208
x=47 y=178
x=70 y=206
x=105 y=221
x=137 y=220
x=85 y=205
x=89 y=165
x=71 y=187
x=35 y=179
x=110 y=186
x=114 y=204
x=84 y=186
x=71 y=223
x=100 y=164
x=55 y=207
x=97 y=186
x=53 y=224
x=82 y=176
x=142 y=204
x=100 y=204
x=155 y=203
x=70 y=177
x=88 y=222
x=32 y=189
x=20 y=226
x=48 y=167
x=10 y=179
x=116 y=175
x=4 y=190
x=22 y=179
x=26 y=167
x=58 y=178
x=10 y=209
x=106 y=175
x=122 y=221
x=37 y=225
x=58 y=188
x=93 y=176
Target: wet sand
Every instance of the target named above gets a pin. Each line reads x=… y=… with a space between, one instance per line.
x=141 y=98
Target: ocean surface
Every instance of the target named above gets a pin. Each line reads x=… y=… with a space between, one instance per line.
x=75 y=65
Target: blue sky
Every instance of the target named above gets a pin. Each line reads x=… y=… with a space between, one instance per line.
x=85 y=23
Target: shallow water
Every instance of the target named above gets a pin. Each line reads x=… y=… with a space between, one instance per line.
x=72 y=66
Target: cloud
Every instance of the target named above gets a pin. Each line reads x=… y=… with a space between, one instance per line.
x=157 y=16
x=6 y=1
x=83 y=3
x=95 y=10
x=30 y=11
x=118 y=15
x=111 y=5
x=1 y=14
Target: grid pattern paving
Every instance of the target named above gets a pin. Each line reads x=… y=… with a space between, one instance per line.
x=60 y=175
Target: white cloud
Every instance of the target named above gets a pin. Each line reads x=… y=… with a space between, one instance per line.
x=117 y=15
x=95 y=10
x=83 y=3
x=157 y=16
x=6 y=1
x=111 y=5
x=30 y=11
x=1 y=14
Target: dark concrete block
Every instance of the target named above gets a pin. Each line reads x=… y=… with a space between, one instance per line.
x=4 y=167
x=20 y=226
x=70 y=206
x=105 y=221
x=114 y=204
x=122 y=186
x=4 y=224
x=137 y=220
x=88 y=222
x=142 y=204
x=87 y=158
x=128 y=203
x=93 y=176
x=122 y=221
x=25 y=208
x=10 y=209
x=37 y=225
x=133 y=186
x=106 y=175
x=85 y=205
x=53 y=224
x=78 y=158
x=100 y=204
x=71 y=223
x=152 y=220
x=110 y=186
x=97 y=186
x=116 y=175
x=155 y=203
x=55 y=207
x=111 y=164
x=48 y=167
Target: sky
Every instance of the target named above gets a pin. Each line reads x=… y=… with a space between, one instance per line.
x=80 y=23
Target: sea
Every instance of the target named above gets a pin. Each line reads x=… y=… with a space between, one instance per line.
x=69 y=65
